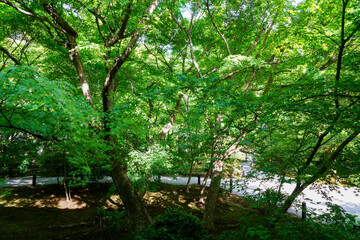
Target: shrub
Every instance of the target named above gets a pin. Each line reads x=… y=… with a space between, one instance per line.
x=116 y=220
x=174 y=224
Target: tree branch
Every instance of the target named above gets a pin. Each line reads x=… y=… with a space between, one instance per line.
x=119 y=61
x=188 y=34
x=120 y=34
x=168 y=126
x=7 y=53
x=217 y=29
x=53 y=138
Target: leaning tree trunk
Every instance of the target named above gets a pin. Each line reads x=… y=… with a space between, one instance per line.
x=136 y=211
x=212 y=195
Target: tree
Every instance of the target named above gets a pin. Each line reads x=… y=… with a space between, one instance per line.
x=316 y=117
x=59 y=20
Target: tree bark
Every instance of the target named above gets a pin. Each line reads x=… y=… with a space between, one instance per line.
x=207 y=175
x=212 y=196
x=325 y=166
x=7 y=53
x=263 y=31
x=168 y=126
x=271 y=77
x=66 y=186
x=189 y=178
x=251 y=79
x=72 y=48
x=135 y=209
x=188 y=33
x=217 y=29
x=74 y=56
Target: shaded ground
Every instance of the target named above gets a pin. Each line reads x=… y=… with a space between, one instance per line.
x=41 y=212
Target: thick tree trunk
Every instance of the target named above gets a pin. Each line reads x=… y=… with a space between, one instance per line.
x=136 y=211
x=212 y=195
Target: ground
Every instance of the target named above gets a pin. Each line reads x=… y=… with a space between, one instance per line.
x=41 y=212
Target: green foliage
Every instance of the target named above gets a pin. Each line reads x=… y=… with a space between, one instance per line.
x=144 y=165
x=152 y=162
x=337 y=217
x=269 y=199
x=117 y=220
x=34 y=107
x=24 y=166
x=174 y=224
x=281 y=228
x=234 y=62
x=51 y=105
x=355 y=179
x=259 y=232
x=4 y=191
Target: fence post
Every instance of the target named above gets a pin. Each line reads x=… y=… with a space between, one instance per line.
x=34 y=180
x=231 y=181
x=303 y=210
x=198 y=179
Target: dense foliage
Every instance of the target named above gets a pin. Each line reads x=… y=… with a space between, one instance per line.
x=174 y=224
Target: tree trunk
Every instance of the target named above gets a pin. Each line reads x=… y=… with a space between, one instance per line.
x=190 y=174
x=168 y=126
x=325 y=166
x=66 y=187
x=207 y=175
x=136 y=211
x=212 y=195
x=296 y=192
x=74 y=56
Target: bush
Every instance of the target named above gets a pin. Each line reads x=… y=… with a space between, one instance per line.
x=116 y=220
x=333 y=226
x=174 y=224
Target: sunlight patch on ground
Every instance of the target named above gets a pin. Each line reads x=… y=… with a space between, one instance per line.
x=63 y=204
x=181 y=199
x=59 y=203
